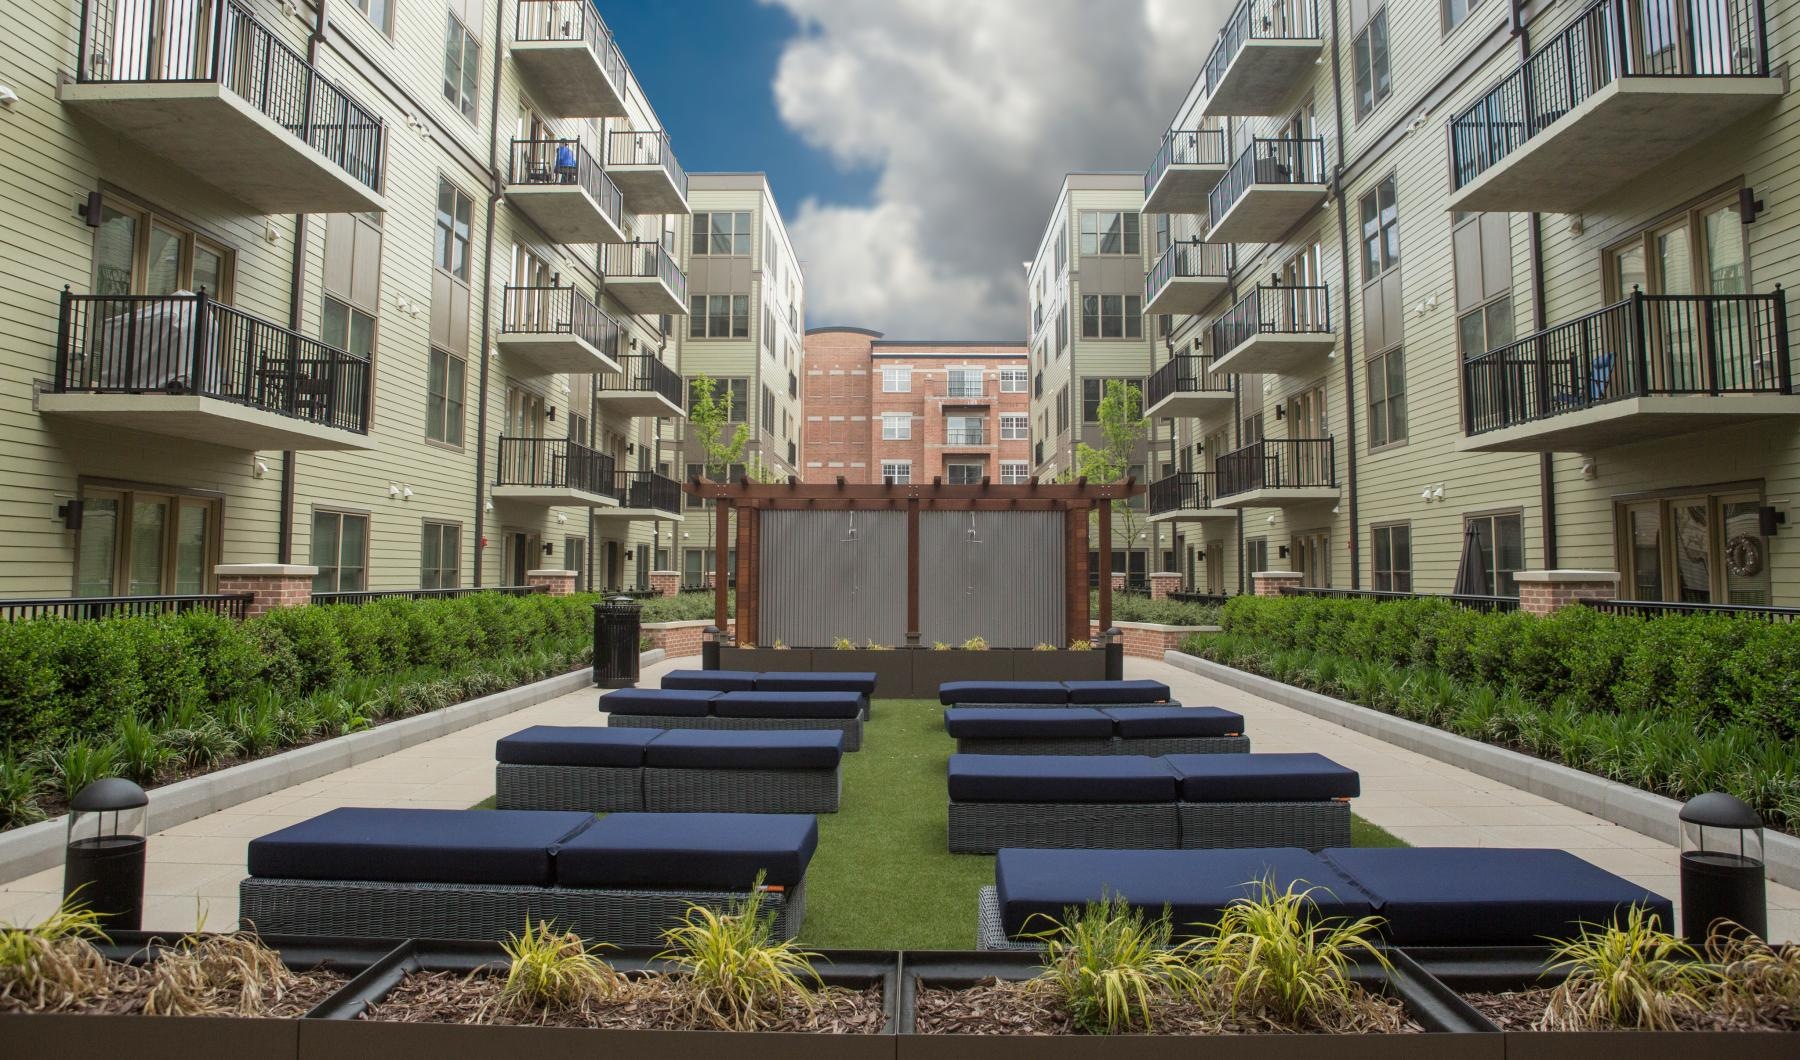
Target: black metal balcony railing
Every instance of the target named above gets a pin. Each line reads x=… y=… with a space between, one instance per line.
x=1610 y=40
x=89 y=608
x=553 y=463
x=224 y=44
x=572 y=20
x=1272 y=311
x=1277 y=463
x=647 y=491
x=566 y=162
x=965 y=436
x=1182 y=491
x=191 y=344
x=559 y=311
x=1185 y=373
x=1188 y=261
x=1259 y=20
x=1267 y=162
x=646 y=147
x=645 y=260
x=1646 y=344
x=644 y=373
x=1185 y=147
x=963 y=387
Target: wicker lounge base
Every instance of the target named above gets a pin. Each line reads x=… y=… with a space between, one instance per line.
x=984 y=827
x=852 y=728
x=1053 y=706
x=373 y=909
x=1309 y=825
x=990 y=934
x=596 y=789
x=742 y=790
x=1110 y=745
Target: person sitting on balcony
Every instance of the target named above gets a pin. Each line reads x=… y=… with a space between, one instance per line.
x=565 y=162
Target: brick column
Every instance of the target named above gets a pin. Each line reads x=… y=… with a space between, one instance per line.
x=271 y=585
x=555 y=582
x=1544 y=591
x=665 y=582
x=1163 y=583
x=1118 y=582
x=1271 y=582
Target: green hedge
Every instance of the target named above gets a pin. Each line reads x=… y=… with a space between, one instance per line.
x=1675 y=704
x=1137 y=607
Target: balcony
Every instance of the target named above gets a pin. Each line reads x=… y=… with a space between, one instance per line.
x=1266 y=50
x=1186 y=167
x=185 y=366
x=565 y=192
x=1271 y=187
x=566 y=50
x=644 y=495
x=1625 y=87
x=644 y=278
x=553 y=473
x=1277 y=473
x=642 y=387
x=1645 y=368
x=1187 y=278
x=1185 y=497
x=1275 y=331
x=644 y=168
x=1186 y=387
x=556 y=330
x=216 y=93
x=967 y=438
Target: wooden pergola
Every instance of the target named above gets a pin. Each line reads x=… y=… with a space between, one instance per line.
x=1076 y=500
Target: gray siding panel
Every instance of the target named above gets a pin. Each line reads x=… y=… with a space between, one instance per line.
x=833 y=574
x=1003 y=583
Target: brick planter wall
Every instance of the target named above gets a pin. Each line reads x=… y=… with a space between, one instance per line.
x=1162 y=584
x=1149 y=640
x=1544 y=591
x=1271 y=582
x=555 y=582
x=271 y=585
x=665 y=582
x=680 y=638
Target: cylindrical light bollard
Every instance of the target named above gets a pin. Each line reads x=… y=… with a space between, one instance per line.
x=616 y=632
x=1722 y=867
x=103 y=866
x=1115 y=653
x=709 y=647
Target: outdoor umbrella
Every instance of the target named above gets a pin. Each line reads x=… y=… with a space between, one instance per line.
x=1471 y=571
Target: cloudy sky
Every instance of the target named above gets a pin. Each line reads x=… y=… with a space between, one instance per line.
x=915 y=146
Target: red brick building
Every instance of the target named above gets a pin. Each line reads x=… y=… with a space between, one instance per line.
x=912 y=411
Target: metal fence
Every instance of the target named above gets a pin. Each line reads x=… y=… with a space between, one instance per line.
x=553 y=463
x=571 y=20
x=83 y=608
x=1278 y=463
x=1473 y=603
x=1182 y=491
x=647 y=491
x=646 y=147
x=1185 y=147
x=552 y=163
x=1198 y=598
x=1184 y=373
x=1259 y=20
x=1186 y=261
x=643 y=373
x=1267 y=162
x=645 y=260
x=559 y=311
x=370 y=596
x=1657 y=608
x=1272 y=310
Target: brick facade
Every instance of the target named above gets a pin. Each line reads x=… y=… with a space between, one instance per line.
x=844 y=403
x=681 y=639
x=665 y=582
x=1149 y=640
x=1162 y=584
x=271 y=585
x=1271 y=582
x=555 y=582
x=1542 y=592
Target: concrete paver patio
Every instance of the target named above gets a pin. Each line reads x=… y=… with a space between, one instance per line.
x=195 y=867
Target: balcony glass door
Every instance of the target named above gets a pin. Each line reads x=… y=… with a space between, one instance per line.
x=135 y=543
x=1307 y=419
x=1692 y=541
x=1643 y=531
x=1311 y=555
x=1699 y=549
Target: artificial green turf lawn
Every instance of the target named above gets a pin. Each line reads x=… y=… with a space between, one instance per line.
x=883 y=877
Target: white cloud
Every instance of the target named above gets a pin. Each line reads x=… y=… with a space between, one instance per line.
x=970 y=112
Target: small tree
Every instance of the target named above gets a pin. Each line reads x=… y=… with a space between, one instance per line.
x=1122 y=429
x=721 y=442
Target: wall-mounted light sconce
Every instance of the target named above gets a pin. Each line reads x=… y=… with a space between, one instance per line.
x=1280 y=412
x=1281 y=552
x=1437 y=493
x=1335 y=509
x=487 y=506
x=1425 y=494
x=91 y=210
x=550 y=413
x=406 y=493
x=1271 y=520
x=1768 y=518
x=70 y=514
x=393 y=489
x=549 y=549
x=561 y=518
x=257 y=467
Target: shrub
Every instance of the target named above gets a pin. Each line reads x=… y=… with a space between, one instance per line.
x=312 y=634
x=1109 y=964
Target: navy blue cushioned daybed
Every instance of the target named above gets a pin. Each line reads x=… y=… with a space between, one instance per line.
x=711 y=680
x=478 y=874
x=823 y=681
x=1453 y=896
x=1140 y=802
x=843 y=711
x=1071 y=730
x=1052 y=693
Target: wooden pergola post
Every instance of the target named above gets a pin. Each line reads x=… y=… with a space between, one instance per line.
x=1104 y=545
x=912 y=572
x=722 y=527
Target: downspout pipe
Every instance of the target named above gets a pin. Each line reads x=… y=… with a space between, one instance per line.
x=1343 y=215
x=1539 y=313
x=487 y=299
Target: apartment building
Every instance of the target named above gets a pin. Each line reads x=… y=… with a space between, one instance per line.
x=396 y=291
x=902 y=411
x=1088 y=325
x=1488 y=273
x=745 y=332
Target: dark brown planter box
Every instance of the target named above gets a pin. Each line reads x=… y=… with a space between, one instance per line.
x=341 y=1036
x=1451 y=1026
x=932 y=668
x=1059 y=665
x=893 y=668
x=1510 y=968
x=761 y=660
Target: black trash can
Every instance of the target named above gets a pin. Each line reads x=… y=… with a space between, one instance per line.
x=617 y=627
x=103 y=864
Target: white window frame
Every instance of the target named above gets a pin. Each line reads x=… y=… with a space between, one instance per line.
x=1015 y=426
x=957 y=380
x=896 y=426
x=950 y=479
x=1014 y=472
x=896 y=379
x=1014 y=380
x=898 y=470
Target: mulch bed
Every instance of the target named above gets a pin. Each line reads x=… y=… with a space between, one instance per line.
x=996 y=1007
x=651 y=1002
x=1522 y=1010
x=131 y=985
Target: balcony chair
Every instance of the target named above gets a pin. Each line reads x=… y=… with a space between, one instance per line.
x=1599 y=377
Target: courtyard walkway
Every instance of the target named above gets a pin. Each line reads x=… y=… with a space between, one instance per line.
x=195 y=867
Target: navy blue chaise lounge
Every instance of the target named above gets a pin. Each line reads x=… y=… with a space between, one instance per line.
x=1099 y=730
x=687 y=708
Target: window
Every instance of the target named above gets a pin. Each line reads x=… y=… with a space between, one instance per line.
x=719 y=316
x=1501 y=539
x=965 y=430
x=1014 y=472
x=1256 y=554
x=146 y=542
x=1062 y=409
x=352 y=282
x=1093 y=391
x=379 y=12
x=1387 y=398
x=1373 y=82
x=1015 y=426
x=1013 y=380
x=444 y=388
x=137 y=251
x=1109 y=232
x=963 y=382
x=340 y=549
x=1456 y=10
x=896 y=380
x=721 y=233
x=1062 y=250
x=1391 y=558
x=896 y=426
x=768 y=410
x=897 y=472
x=736 y=390
x=1697 y=548
x=1062 y=330
x=1700 y=251
x=1380 y=230
x=1112 y=316
x=963 y=474
x=440 y=556
x=453 y=213
x=462 y=66
x=1482 y=249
